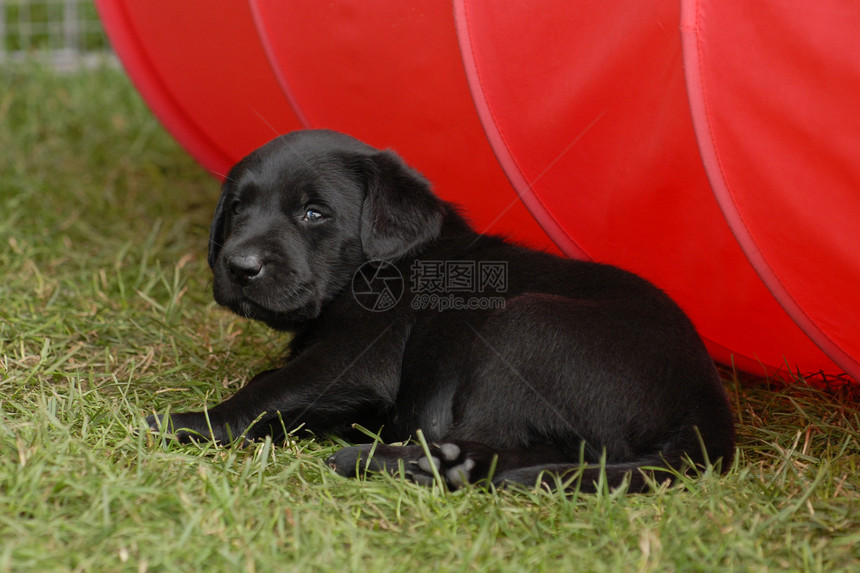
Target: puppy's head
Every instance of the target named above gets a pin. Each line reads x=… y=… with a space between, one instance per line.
x=299 y=215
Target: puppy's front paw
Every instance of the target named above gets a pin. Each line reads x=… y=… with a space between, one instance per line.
x=355 y=461
x=184 y=427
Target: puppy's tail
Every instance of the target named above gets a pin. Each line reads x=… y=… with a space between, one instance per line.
x=640 y=476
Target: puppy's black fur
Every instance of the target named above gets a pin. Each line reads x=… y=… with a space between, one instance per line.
x=584 y=364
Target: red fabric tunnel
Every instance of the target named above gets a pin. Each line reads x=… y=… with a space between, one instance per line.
x=712 y=146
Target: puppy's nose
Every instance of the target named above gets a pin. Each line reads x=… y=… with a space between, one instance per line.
x=244 y=268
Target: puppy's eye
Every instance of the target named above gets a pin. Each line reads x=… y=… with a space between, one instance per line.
x=313 y=216
x=236 y=207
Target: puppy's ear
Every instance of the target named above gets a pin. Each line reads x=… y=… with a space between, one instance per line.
x=400 y=211
x=216 y=228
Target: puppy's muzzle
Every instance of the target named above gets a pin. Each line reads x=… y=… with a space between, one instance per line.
x=245 y=268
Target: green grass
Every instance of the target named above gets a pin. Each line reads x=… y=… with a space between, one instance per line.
x=106 y=315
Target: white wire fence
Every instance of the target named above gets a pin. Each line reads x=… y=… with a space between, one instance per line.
x=66 y=33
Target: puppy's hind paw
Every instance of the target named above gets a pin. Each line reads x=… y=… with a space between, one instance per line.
x=448 y=460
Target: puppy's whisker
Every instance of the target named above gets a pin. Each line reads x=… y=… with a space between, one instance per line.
x=221 y=175
x=287 y=298
x=264 y=120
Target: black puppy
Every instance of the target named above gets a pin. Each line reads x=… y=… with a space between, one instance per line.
x=516 y=365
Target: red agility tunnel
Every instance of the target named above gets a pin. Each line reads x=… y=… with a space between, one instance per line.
x=711 y=146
